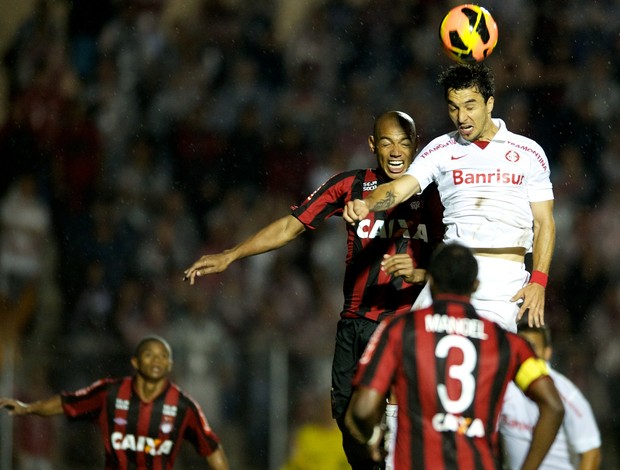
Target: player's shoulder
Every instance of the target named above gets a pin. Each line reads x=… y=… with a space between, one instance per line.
x=439 y=145
x=345 y=179
x=520 y=141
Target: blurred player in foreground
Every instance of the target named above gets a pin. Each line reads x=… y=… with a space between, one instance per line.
x=143 y=419
x=449 y=369
x=496 y=189
x=386 y=258
x=578 y=443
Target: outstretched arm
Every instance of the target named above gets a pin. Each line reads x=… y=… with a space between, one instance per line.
x=49 y=407
x=533 y=294
x=384 y=197
x=551 y=409
x=271 y=237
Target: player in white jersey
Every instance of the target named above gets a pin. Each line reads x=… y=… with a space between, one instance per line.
x=498 y=198
x=578 y=442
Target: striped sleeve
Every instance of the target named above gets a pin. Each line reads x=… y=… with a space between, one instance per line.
x=87 y=402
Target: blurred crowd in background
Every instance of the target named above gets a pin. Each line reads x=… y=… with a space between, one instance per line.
x=138 y=135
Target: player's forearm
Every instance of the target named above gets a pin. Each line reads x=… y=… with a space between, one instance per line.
x=544 y=242
x=49 y=407
x=217 y=460
x=590 y=460
x=389 y=195
x=271 y=237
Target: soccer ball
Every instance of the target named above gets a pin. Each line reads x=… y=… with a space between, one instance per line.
x=468 y=33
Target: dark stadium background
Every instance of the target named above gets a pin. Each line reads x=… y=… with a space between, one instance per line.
x=149 y=132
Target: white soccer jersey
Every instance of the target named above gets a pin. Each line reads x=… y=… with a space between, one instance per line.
x=486 y=192
x=578 y=434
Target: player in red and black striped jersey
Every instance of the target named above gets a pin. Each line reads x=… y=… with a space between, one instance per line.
x=143 y=419
x=387 y=253
x=449 y=369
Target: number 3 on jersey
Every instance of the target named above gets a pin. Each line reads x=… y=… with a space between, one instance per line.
x=462 y=372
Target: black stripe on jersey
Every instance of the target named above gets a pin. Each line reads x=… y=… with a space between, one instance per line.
x=357 y=188
x=111 y=397
x=133 y=417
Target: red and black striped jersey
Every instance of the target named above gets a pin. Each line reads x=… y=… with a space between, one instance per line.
x=449 y=369
x=138 y=434
x=414 y=227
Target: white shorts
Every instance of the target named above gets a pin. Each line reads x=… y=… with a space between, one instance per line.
x=499 y=279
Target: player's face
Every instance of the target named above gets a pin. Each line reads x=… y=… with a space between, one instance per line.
x=153 y=362
x=393 y=146
x=471 y=115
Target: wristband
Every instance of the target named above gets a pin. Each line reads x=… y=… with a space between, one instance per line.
x=540 y=278
x=376 y=435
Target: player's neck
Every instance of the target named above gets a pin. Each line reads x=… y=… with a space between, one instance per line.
x=149 y=390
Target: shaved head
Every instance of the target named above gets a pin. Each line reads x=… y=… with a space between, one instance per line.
x=405 y=121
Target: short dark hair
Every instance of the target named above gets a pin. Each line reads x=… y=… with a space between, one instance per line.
x=544 y=330
x=460 y=76
x=148 y=339
x=454 y=269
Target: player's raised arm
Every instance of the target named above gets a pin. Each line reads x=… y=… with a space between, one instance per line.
x=384 y=197
x=271 y=237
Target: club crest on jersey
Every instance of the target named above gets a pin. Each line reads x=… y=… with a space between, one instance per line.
x=166 y=427
x=512 y=156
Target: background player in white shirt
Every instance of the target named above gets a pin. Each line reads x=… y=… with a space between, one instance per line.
x=496 y=189
x=578 y=442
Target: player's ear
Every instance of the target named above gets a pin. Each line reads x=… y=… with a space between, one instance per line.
x=490 y=104
x=475 y=286
x=371 y=143
x=134 y=362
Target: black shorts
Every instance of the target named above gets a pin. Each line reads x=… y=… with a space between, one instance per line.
x=352 y=337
